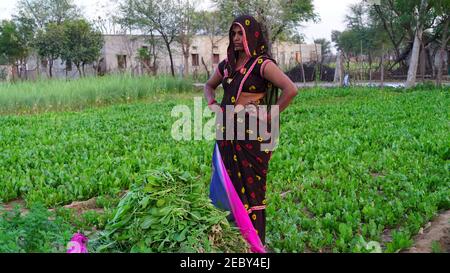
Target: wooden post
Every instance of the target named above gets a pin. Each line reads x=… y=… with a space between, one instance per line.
x=338 y=77
x=301 y=64
x=382 y=66
x=362 y=63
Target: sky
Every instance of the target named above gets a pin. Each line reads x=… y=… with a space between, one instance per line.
x=331 y=12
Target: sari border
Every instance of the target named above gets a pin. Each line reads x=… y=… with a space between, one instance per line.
x=245 y=79
x=256 y=208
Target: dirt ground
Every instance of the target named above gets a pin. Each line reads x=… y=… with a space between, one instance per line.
x=79 y=207
x=436 y=231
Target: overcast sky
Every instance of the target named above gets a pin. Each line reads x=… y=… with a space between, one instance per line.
x=331 y=12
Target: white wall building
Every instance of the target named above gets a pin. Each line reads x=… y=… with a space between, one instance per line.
x=121 y=52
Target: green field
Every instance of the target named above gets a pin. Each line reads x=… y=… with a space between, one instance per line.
x=352 y=166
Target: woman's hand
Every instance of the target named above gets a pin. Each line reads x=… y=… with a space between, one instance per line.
x=214 y=106
x=210 y=88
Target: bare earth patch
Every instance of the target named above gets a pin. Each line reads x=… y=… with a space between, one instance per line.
x=437 y=231
x=83 y=206
x=79 y=207
x=10 y=206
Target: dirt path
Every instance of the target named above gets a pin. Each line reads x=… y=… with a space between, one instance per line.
x=79 y=207
x=437 y=231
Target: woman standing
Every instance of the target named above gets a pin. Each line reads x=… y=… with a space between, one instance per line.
x=250 y=77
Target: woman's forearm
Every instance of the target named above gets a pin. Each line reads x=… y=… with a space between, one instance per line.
x=210 y=93
x=285 y=99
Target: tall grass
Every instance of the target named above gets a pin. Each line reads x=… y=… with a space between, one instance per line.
x=59 y=95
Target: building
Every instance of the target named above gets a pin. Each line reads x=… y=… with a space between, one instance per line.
x=120 y=53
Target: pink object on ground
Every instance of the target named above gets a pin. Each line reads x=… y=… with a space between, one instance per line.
x=78 y=244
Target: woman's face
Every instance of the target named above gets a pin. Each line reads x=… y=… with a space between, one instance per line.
x=236 y=34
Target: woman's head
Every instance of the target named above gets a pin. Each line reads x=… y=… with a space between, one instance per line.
x=237 y=35
x=246 y=35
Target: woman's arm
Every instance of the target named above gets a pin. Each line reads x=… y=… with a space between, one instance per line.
x=211 y=85
x=277 y=77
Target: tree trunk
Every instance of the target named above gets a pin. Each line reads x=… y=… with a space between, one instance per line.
x=413 y=63
x=186 y=64
x=370 y=65
x=26 y=71
x=315 y=65
x=186 y=45
x=38 y=66
x=172 y=69
x=422 y=62
x=382 y=66
x=14 y=71
x=79 y=69
x=155 y=69
x=50 y=68
x=444 y=42
x=206 y=68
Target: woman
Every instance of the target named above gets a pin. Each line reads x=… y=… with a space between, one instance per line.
x=249 y=76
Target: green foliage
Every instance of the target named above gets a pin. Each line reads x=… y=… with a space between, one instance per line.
x=168 y=212
x=280 y=18
x=50 y=43
x=363 y=33
x=82 y=44
x=13 y=44
x=325 y=46
x=400 y=240
x=355 y=163
x=436 y=247
x=61 y=95
x=35 y=231
x=352 y=163
x=43 y=12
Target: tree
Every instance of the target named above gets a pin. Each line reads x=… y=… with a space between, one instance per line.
x=210 y=23
x=48 y=11
x=401 y=19
x=13 y=45
x=26 y=34
x=442 y=30
x=326 y=47
x=277 y=17
x=413 y=63
x=347 y=42
x=188 y=26
x=50 y=44
x=82 y=44
x=149 y=16
x=211 y=26
x=39 y=13
x=367 y=37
